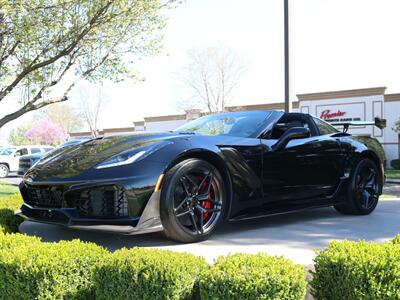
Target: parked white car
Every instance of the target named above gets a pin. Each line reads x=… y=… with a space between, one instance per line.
x=9 y=157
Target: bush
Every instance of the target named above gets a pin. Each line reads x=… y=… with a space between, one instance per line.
x=148 y=274
x=8 y=206
x=357 y=270
x=30 y=269
x=12 y=241
x=395 y=164
x=396 y=240
x=243 y=276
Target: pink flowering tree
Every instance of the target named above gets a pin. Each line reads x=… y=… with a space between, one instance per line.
x=45 y=132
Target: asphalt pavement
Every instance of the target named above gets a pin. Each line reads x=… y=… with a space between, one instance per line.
x=295 y=236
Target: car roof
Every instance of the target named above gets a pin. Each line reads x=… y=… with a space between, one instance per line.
x=32 y=146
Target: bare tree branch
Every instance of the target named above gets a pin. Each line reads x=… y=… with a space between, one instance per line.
x=212 y=75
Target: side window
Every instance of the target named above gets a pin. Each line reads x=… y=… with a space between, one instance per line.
x=285 y=123
x=22 y=151
x=35 y=150
x=324 y=127
x=47 y=149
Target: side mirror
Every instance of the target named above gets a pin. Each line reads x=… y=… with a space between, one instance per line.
x=17 y=154
x=291 y=134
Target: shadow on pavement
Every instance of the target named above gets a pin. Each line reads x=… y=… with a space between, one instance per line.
x=307 y=230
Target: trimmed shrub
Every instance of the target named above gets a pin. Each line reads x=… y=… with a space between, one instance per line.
x=396 y=240
x=357 y=270
x=8 y=206
x=395 y=164
x=11 y=241
x=243 y=276
x=30 y=269
x=148 y=274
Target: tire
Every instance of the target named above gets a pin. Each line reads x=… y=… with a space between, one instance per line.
x=363 y=191
x=192 y=201
x=4 y=170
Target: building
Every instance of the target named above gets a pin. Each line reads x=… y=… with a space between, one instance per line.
x=348 y=105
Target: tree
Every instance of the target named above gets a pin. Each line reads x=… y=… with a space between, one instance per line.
x=91 y=104
x=212 y=75
x=17 y=135
x=46 y=46
x=66 y=116
x=45 y=132
x=397 y=126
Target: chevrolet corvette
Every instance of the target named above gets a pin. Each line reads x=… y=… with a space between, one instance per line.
x=228 y=166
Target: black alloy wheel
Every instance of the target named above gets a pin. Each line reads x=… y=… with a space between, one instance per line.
x=192 y=201
x=363 y=194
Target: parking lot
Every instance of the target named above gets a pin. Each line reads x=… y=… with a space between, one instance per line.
x=295 y=236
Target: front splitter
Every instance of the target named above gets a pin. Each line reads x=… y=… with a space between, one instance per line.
x=147 y=223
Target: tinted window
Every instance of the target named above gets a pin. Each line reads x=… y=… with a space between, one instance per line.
x=22 y=151
x=35 y=150
x=6 y=151
x=48 y=149
x=240 y=124
x=324 y=127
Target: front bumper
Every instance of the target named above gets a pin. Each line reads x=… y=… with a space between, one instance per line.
x=148 y=221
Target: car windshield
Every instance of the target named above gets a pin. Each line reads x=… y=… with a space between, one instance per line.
x=240 y=124
x=6 y=151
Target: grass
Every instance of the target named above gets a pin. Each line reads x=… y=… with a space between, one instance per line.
x=393 y=174
x=7 y=190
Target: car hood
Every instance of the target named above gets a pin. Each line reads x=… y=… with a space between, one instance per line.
x=76 y=159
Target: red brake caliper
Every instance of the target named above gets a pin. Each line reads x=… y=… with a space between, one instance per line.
x=206 y=203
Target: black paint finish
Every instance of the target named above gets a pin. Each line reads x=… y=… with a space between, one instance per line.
x=311 y=171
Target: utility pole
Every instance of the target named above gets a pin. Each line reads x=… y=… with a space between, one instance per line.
x=288 y=102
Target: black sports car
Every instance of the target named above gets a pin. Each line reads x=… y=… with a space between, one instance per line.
x=232 y=166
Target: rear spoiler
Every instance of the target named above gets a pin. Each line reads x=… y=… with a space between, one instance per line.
x=378 y=122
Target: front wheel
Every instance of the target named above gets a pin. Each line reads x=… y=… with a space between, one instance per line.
x=363 y=193
x=192 y=201
x=3 y=170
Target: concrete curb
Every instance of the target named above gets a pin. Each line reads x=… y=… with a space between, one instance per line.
x=393 y=181
x=9 y=183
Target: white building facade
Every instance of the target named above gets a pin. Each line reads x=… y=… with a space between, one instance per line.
x=348 y=105
x=359 y=105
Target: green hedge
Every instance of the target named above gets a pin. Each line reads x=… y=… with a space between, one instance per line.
x=8 y=206
x=30 y=269
x=396 y=239
x=243 y=276
x=357 y=270
x=148 y=274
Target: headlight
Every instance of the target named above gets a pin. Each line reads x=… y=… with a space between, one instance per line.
x=121 y=159
x=130 y=156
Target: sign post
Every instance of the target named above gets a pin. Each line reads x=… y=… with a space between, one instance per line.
x=288 y=103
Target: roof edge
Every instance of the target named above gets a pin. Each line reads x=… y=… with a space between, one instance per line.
x=342 y=94
x=392 y=97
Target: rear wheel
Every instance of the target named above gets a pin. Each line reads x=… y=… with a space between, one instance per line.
x=363 y=194
x=192 y=201
x=3 y=170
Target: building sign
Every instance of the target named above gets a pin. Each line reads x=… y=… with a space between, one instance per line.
x=341 y=112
